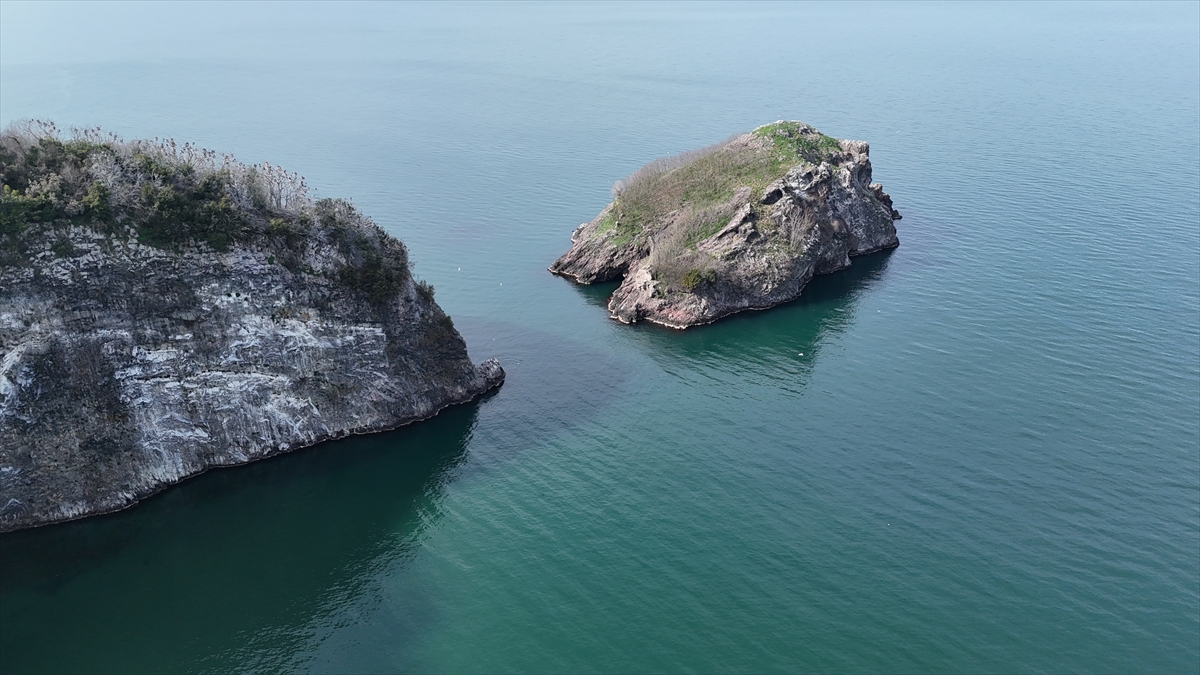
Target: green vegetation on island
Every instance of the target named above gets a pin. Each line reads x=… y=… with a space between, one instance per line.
x=701 y=183
x=741 y=224
x=693 y=195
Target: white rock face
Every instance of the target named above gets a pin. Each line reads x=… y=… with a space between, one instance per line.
x=125 y=368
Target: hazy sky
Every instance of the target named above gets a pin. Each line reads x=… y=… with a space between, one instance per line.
x=65 y=32
x=71 y=32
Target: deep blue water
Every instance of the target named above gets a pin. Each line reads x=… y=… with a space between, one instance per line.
x=986 y=460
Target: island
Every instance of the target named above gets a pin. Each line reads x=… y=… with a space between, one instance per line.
x=743 y=224
x=165 y=310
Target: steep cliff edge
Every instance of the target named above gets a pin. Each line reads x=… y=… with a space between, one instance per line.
x=743 y=224
x=164 y=311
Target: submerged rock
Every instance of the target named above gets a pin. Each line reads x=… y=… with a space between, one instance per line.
x=163 y=312
x=740 y=225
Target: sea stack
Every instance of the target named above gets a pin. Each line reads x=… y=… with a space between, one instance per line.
x=164 y=310
x=743 y=224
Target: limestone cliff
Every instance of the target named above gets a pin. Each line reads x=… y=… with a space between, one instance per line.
x=741 y=225
x=164 y=311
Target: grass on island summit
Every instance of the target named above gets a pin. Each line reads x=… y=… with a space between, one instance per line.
x=699 y=187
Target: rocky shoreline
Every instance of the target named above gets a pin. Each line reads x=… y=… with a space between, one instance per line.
x=130 y=361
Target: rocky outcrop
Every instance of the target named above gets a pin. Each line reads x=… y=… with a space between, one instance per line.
x=744 y=224
x=127 y=366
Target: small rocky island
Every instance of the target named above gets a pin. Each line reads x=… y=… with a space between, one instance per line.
x=165 y=310
x=740 y=225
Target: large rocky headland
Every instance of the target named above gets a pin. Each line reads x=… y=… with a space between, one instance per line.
x=743 y=224
x=165 y=310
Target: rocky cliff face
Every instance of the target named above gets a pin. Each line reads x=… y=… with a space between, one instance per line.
x=741 y=225
x=132 y=358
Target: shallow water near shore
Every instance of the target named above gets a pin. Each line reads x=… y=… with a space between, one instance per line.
x=979 y=452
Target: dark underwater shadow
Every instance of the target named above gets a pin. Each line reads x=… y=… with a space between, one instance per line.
x=552 y=384
x=230 y=570
x=597 y=294
x=778 y=343
x=231 y=557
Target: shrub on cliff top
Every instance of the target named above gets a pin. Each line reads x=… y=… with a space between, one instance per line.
x=170 y=194
x=694 y=277
x=173 y=196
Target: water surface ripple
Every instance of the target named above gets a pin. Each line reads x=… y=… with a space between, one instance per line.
x=979 y=452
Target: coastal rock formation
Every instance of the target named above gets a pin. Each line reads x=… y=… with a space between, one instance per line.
x=164 y=311
x=740 y=225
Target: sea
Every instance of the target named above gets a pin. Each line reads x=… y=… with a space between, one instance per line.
x=976 y=453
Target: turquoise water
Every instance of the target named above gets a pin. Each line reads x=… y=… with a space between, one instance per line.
x=979 y=452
